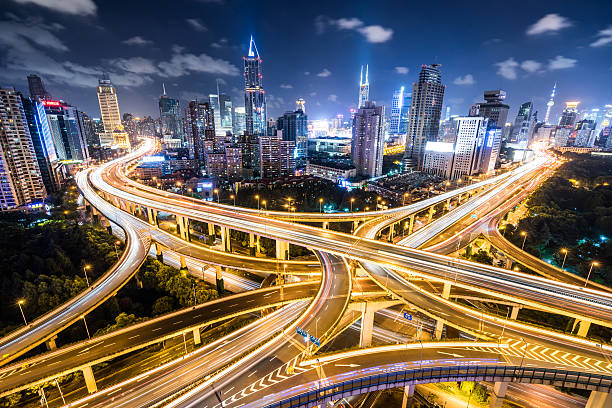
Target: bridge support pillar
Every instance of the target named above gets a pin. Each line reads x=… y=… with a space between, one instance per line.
x=219 y=279
x=51 y=343
x=152 y=215
x=448 y=204
x=226 y=240
x=446 y=290
x=583 y=327
x=430 y=214
x=282 y=250
x=599 y=399
x=183 y=264
x=498 y=395
x=438 y=329
x=408 y=396
x=355 y=225
x=411 y=224
x=391 y=232
x=158 y=252
x=252 y=245
x=367 y=325
x=196 y=336
x=183 y=227
x=325 y=225
x=514 y=312
x=211 y=229
x=90 y=381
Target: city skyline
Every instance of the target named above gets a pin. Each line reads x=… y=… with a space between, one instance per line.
x=525 y=58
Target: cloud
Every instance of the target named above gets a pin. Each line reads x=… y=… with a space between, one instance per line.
x=196 y=24
x=372 y=33
x=549 y=23
x=402 y=70
x=325 y=73
x=332 y=98
x=468 y=79
x=531 y=65
x=184 y=63
x=492 y=41
x=605 y=37
x=560 y=62
x=307 y=73
x=313 y=94
x=286 y=86
x=456 y=101
x=74 y=7
x=507 y=68
x=274 y=102
x=137 y=40
x=222 y=43
x=136 y=65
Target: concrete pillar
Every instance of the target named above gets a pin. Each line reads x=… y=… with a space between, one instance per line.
x=411 y=224
x=439 y=328
x=599 y=399
x=408 y=396
x=367 y=324
x=258 y=245
x=282 y=250
x=196 y=336
x=583 y=327
x=182 y=224
x=391 y=232
x=252 y=247
x=226 y=241
x=498 y=394
x=514 y=312
x=325 y=225
x=183 y=264
x=211 y=229
x=446 y=290
x=219 y=279
x=158 y=252
x=90 y=381
x=430 y=215
x=152 y=214
x=448 y=204
x=355 y=225
x=51 y=343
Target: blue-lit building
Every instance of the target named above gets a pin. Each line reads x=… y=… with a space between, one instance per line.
x=67 y=130
x=169 y=113
x=254 y=94
x=294 y=128
x=400 y=108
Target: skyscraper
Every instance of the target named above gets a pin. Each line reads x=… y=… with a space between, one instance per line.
x=425 y=111
x=169 y=114
x=364 y=88
x=569 y=115
x=239 y=124
x=300 y=104
x=20 y=179
x=37 y=88
x=222 y=108
x=368 y=140
x=111 y=117
x=400 y=108
x=254 y=95
x=201 y=124
x=293 y=127
x=550 y=104
x=276 y=155
x=522 y=131
x=494 y=109
x=67 y=130
x=42 y=140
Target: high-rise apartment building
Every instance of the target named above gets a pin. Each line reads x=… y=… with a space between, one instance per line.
x=294 y=127
x=569 y=115
x=239 y=121
x=276 y=155
x=425 y=112
x=111 y=117
x=201 y=128
x=471 y=132
x=494 y=109
x=585 y=133
x=364 y=89
x=400 y=109
x=169 y=115
x=92 y=128
x=20 y=178
x=368 y=140
x=37 y=88
x=254 y=95
x=42 y=140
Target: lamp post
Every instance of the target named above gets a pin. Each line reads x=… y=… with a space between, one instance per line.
x=116 y=245
x=406 y=195
x=85 y=268
x=257 y=198
x=594 y=263
x=265 y=204
x=19 y=303
x=233 y=197
x=320 y=205
x=86 y=328
x=524 y=235
x=352 y=201
x=564 y=252
x=216 y=191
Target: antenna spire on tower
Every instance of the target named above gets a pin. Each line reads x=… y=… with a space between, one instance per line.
x=164 y=88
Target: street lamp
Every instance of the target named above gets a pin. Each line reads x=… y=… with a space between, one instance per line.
x=594 y=263
x=85 y=268
x=116 y=252
x=233 y=197
x=367 y=209
x=406 y=195
x=352 y=201
x=216 y=191
x=524 y=235
x=86 y=328
x=320 y=205
x=564 y=252
x=265 y=204
x=19 y=303
x=257 y=198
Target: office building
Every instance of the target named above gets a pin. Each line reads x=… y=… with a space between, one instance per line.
x=254 y=95
x=494 y=109
x=294 y=127
x=92 y=127
x=249 y=145
x=522 y=130
x=585 y=133
x=169 y=115
x=569 y=114
x=42 y=140
x=222 y=108
x=489 y=150
x=335 y=172
x=37 y=88
x=200 y=124
x=438 y=159
x=550 y=104
x=368 y=140
x=111 y=118
x=425 y=112
x=471 y=132
x=239 y=124
x=400 y=108
x=276 y=156
x=21 y=183
x=562 y=136
x=364 y=89
x=300 y=104
x=67 y=130
x=330 y=146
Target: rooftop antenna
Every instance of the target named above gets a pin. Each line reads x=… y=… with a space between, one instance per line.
x=164 y=88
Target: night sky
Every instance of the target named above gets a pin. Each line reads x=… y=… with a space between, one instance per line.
x=310 y=49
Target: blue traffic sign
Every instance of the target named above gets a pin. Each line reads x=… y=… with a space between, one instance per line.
x=407 y=316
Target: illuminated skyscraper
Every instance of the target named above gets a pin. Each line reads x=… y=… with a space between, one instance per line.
x=37 y=88
x=400 y=108
x=300 y=104
x=293 y=127
x=524 y=124
x=364 y=88
x=368 y=140
x=169 y=114
x=494 y=108
x=239 y=124
x=20 y=179
x=425 y=112
x=254 y=94
x=568 y=117
x=550 y=104
x=111 y=117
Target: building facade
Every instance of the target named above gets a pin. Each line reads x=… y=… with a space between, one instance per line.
x=37 y=88
x=364 y=89
x=493 y=108
x=111 y=117
x=400 y=109
x=368 y=140
x=254 y=94
x=294 y=127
